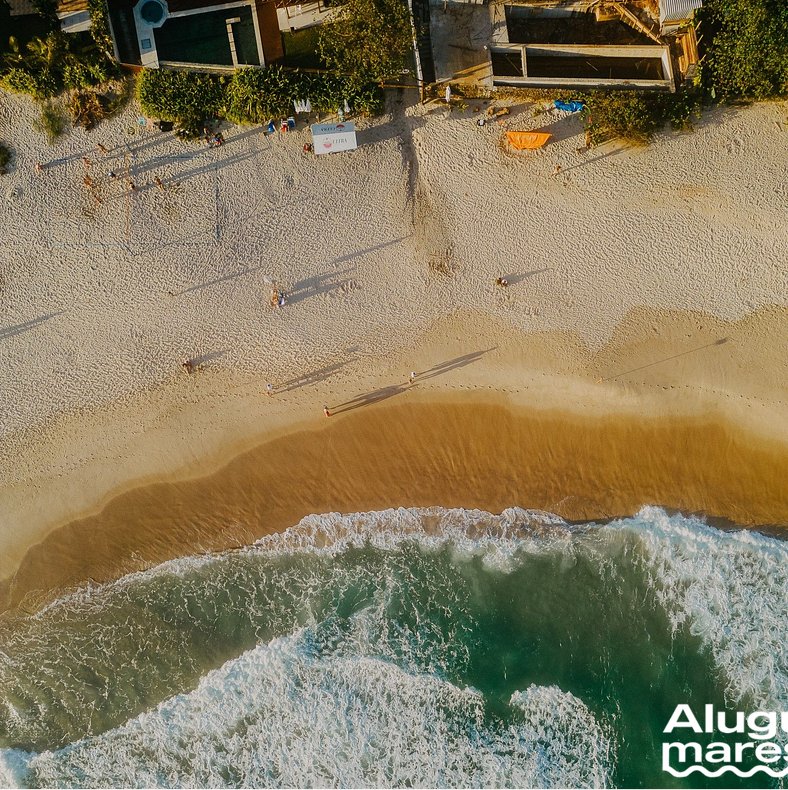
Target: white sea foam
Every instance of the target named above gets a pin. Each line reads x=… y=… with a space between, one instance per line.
x=13 y=767
x=730 y=589
x=727 y=588
x=283 y=715
x=468 y=532
x=572 y=745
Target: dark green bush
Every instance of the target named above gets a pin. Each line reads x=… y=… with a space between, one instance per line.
x=747 y=49
x=637 y=116
x=625 y=114
x=249 y=96
x=18 y=80
x=47 y=66
x=181 y=96
x=367 y=40
x=257 y=95
x=680 y=108
x=99 y=27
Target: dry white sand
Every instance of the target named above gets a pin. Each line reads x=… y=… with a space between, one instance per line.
x=631 y=256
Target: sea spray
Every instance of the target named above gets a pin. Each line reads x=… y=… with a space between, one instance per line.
x=421 y=646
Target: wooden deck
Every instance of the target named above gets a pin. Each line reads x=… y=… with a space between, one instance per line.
x=71 y=6
x=270 y=36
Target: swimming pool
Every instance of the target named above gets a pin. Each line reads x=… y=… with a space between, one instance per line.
x=203 y=38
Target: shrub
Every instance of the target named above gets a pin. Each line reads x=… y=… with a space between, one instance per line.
x=181 y=96
x=249 y=96
x=19 y=80
x=681 y=108
x=49 y=65
x=5 y=158
x=747 y=54
x=87 y=109
x=635 y=117
x=256 y=95
x=368 y=40
x=52 y=121
x=99 y=27
x=623 y=114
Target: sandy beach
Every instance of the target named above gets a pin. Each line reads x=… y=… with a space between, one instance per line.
x=637 y=356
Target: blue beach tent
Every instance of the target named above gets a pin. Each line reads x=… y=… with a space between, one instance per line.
x=569 y=106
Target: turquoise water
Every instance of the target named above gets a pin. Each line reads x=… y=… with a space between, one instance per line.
x=409 y=648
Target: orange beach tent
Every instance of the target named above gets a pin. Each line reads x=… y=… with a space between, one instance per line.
x=522 y=140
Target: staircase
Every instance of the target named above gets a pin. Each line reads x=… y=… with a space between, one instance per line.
x=626 y=16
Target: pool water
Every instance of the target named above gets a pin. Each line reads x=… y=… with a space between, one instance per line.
x=202 y=38
x=152 y=11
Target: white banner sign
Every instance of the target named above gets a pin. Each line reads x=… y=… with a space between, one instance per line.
x=327 y=138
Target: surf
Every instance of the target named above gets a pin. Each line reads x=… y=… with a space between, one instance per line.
x=409 y=646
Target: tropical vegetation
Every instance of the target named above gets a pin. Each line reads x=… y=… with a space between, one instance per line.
x=247 y=96
x=367 y=40
x=747 y=55
x=636 y=116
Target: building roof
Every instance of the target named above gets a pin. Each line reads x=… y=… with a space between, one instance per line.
x=677 y=10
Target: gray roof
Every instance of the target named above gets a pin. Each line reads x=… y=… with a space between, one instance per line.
x=677 y=10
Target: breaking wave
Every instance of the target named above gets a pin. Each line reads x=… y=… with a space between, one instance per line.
x=405 y=647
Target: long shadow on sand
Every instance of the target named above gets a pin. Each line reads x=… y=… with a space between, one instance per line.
x=361 y=253
x=241 y=273
x=513 y=279
x=209 y=356
x=313 y=377
x=721 y=342
x=26 y=326
x=314 y=286
x=368 y=398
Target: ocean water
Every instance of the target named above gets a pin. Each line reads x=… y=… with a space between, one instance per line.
x=408 y=647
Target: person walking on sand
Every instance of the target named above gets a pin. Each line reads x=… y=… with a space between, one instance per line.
x=412 y=377
x=188 y=366
x=557 y=171
x=132 y=186
x=159 y=183
x=269 y=388
x=39 y=167
x=326 y=411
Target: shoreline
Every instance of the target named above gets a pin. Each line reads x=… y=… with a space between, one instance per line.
x=637 y=291
x=462 y=453
x=479 y=429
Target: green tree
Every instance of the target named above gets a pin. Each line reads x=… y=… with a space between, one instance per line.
x=368 y=40
x=747 y=54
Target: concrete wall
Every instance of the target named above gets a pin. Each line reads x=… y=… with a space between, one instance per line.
x=611 y=51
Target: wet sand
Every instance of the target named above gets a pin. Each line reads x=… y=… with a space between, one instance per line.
x=471 y=451
x=637 y=356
